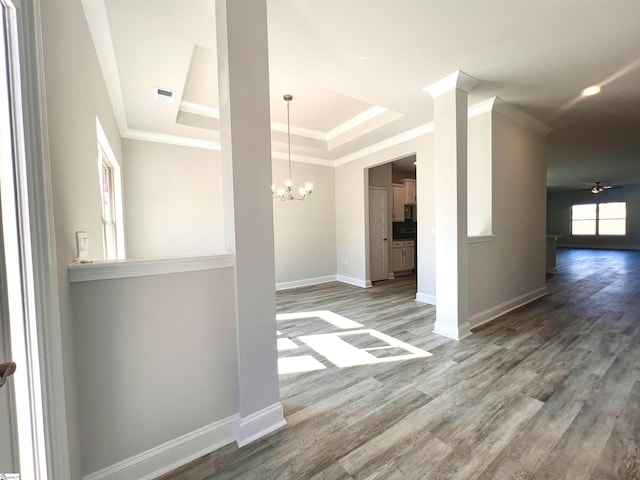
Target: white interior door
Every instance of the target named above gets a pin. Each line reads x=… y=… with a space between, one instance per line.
x=378 y=234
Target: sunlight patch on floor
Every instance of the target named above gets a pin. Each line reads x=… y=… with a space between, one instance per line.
x=333 y=318
x=343 y=354
x=301 y=363
x=354 y=346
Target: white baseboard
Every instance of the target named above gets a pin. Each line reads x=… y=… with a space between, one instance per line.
x=494 y=312
x=172 y=454
x=260 y=423
x=191 y=446
x=425 y=298
x=354 y=281
x=451 y=331
x=305 y=282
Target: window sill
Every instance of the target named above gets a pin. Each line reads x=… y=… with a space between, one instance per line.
x=481 y=238
x=107 y=270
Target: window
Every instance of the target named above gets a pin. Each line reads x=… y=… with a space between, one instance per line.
x=109 y=230
x=583 y=219
x=599 y=219
x=612 y=218
x=111 y=196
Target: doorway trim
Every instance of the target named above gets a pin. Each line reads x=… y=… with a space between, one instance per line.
x=34 y=188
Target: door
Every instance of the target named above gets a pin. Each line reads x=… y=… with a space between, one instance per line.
x=378 y=228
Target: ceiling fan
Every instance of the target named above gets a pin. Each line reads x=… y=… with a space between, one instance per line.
x=597 y=188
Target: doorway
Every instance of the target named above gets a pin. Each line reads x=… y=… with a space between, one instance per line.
x=21 y=418
x=398 y=179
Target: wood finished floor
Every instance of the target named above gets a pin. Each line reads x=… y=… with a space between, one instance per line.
x=550 y=391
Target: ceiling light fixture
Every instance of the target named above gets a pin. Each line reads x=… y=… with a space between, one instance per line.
x=592 y=90
x=285 y=193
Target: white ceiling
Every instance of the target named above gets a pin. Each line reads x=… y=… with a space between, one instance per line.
x=357 y=68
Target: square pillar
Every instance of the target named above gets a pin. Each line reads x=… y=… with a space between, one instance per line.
x=452 y=251
x=245 y=129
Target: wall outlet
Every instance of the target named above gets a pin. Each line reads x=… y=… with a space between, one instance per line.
x=82 y=244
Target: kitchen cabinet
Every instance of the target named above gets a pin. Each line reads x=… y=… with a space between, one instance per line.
x=398 y=203
x=403 y=255
x=409 y=185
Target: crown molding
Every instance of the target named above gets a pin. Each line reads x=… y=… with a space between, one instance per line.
x=170 y=139
x=517 y=115
x=304 y=159
x=354 y=122
x=389 y=142
x=299 y=131
x=479 y=108
x=457 y=79
x=496 y=104
x=96 y=13
x=198 y=109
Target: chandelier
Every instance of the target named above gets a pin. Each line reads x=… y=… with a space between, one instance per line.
x=286 y=192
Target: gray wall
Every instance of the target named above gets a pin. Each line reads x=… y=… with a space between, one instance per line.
x=352 y=221
x=157 y=360
x=173 y=200
x=304 y=232
x=512 y=264
x=75 y=95
x=559 y=217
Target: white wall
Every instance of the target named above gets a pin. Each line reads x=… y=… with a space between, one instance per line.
x=479 y=177
x=559 y=217
x=155 y=361
x=511 y=266
x=75 y=94
x=351 y=217
x=173 y=200
x=304 y=231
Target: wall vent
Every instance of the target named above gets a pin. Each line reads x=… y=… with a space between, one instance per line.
x=164 y=95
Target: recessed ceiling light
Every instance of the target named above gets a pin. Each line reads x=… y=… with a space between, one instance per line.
x=592 y=90
x=362 y=57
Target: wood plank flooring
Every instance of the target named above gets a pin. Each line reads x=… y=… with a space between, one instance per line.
x=549 y=391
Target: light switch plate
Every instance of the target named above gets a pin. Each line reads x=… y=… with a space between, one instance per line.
x=82 y=244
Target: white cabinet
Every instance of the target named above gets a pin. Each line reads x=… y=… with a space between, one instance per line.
x=409 y=185
x=398 y=203
x=403 y=255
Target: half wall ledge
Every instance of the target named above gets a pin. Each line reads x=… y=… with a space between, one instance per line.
x=111 y=269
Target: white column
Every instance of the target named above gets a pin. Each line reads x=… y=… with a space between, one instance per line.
x=450 y=143
x=243 y=74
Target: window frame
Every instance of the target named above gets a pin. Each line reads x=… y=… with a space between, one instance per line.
x=597 y=220
x=113 y=243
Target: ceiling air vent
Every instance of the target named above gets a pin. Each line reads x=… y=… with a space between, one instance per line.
x=164 y=95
